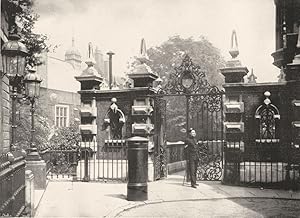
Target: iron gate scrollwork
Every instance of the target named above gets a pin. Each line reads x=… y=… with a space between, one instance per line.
x=159 y=155
x=204 y=113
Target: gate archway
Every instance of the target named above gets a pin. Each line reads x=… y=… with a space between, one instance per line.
x=203 y=112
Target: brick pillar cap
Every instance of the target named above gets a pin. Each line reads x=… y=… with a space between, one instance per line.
x=137 y=138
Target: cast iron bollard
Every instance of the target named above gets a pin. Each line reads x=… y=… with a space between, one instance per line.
x=137 y=189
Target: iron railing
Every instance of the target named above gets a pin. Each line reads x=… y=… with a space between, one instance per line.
x=175 y=152
x=90 y=161
x=12 y=185
x=105 y=162
x=266 y=163
x=60 y=163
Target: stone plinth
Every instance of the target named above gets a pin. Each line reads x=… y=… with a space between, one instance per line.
x=234 y=74
x=38 y=169
x=293 y=70
x=29 y=192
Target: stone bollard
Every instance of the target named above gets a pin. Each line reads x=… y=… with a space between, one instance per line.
x=29 y=192
x=137 y=189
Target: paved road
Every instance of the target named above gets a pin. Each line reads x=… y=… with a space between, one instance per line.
x=167 y=198
x=249 y=207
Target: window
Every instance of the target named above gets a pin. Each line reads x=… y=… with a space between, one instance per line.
x=61 y=115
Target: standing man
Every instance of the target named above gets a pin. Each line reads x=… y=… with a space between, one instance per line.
x=192 y=157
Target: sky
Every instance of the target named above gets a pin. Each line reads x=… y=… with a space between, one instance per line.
x=119 y=26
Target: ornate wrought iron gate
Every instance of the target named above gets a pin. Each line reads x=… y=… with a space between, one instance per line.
x=159 y=153
x=204 y=113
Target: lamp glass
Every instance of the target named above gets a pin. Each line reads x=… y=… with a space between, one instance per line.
x=13 y=64
x=32 y=88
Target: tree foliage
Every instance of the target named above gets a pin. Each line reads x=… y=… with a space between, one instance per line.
x=20 y=13
x=66 y=138
x=167 y=56
x=42 y=127
x=164 y=58
x=46 y=135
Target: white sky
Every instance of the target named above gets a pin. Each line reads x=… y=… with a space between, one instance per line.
x=119 y=25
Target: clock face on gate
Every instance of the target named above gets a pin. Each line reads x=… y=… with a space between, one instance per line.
x=187 y=79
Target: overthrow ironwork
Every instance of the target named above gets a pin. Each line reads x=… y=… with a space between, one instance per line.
x=187 y=79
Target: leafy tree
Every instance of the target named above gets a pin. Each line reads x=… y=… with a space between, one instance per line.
x=163 y=60
x=42 y=127
x=21 y=19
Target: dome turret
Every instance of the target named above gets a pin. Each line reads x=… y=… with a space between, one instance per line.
x=73 y=56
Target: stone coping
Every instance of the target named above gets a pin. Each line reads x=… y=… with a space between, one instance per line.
x=254 y=84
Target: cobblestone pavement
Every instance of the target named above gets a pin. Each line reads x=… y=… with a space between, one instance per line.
x=247 y=207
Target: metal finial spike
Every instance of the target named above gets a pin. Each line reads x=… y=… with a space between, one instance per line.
x=142 y=56
x=90 y=50
x=143 y=48
x=73 y=41
x=234 y=51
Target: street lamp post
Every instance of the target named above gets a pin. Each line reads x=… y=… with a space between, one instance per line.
x=32 y=83
x=13 y=63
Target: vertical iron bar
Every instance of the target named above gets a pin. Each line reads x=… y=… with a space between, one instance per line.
x=222 y=126
x=103 y=155
x=88 y=160
x=255 y=164
x=107 y=159
x=13 y=119
x=187 y=115
x=80 y=161
x=121 y=159
x=112 y=159
x=272 y=161
x=94 y=158
x=98 y=159
x=126 y=150
x=117 y=157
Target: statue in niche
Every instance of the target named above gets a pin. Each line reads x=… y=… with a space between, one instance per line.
x=114 y=119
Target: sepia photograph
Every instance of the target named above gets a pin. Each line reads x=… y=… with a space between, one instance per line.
x=148 y=108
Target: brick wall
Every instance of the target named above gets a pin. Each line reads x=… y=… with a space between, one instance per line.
x=252 y=96
x=51 y=97
x=124 y=102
